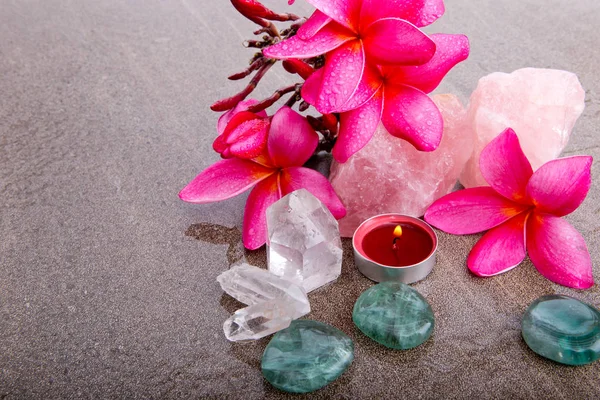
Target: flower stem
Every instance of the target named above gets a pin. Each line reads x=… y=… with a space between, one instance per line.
x=230 y=102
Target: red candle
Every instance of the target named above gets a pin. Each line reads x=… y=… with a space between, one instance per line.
x=395 y=247
x=382 y=246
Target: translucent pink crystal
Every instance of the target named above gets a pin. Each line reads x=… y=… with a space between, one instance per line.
x=390 y=175
x=541 y=105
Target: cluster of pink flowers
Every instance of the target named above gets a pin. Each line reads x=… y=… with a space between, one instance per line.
x=363 y=62
x=378 y=68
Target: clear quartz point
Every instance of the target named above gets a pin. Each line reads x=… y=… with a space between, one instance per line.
x=272 y=302
x=303 y=242
x=259 y=320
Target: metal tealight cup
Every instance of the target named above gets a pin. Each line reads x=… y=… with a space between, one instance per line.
x=385 y=273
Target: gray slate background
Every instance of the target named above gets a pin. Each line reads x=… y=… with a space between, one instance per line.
x=104 y=118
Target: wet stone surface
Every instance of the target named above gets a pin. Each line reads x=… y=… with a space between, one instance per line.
x=395 y=315
x=306 y=356
x=563 y=329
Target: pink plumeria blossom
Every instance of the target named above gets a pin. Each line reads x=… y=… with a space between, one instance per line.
x=397 y=98
x=242 y=134
x=356 y=34
x=522 y=211
x=278 y=171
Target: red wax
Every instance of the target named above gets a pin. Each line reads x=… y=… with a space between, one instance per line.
x=415 y=245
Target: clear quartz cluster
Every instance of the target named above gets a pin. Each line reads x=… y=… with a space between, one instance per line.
x=304 y=253
x=303 y=243
x=272 y=302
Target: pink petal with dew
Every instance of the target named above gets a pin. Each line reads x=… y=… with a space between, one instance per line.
x=500 y=249
x=370 y=82
x=303 y=178
x=312 y=87
x=395 y=41
x=223 y=180
x=254 y=233
x=418 y=12
x=505 y=167
x=220 y=146
x=357 y=128
x=242 y=106
x=560 y=186
x=241 y=129
x=342 y=76
x=314 y=24
x=558 y=251
x=327 y=39
x=346 y=12
x=411 y=115
x=471 y=211
x=249 y=139
x=292 y=141
x=450 y=50
x=241 y=125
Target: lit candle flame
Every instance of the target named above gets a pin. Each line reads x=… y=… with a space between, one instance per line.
x=398 y=231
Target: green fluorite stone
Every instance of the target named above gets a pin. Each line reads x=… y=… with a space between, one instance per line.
x=395 y=315
x=306 y=356
x=563 y=329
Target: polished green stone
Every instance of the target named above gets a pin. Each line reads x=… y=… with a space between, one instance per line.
x=563 y=329
x=395 y=315
x=306 y=356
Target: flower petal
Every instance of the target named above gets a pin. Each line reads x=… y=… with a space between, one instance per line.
x=343 y=72
x=357 y=128
x=471 y=211
x=418 y=12
x=219 y=145
x=396 y=41
x=558 y=251
x=370 y=82
x=223 y=180
x=560 y=186
x=346 y=12
x=314 y=24
x=500 y=249
x=450 y=50
x=243 y=124
x=411 y=115
x=254 y=232
x=298 y=178
x=245 y=136
x=329 y=38
x=505 y=167
x=292 y=141
x=249 y=139
x=241 y=106
x=312 y=87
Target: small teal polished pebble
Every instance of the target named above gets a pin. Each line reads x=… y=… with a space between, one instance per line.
x=395 y=315
x=563 y=329
x=306 y=356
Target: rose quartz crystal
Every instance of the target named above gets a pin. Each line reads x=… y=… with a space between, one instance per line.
x=541 y=105
x=390 y=175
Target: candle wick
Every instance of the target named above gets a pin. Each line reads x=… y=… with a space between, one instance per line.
x=395 y=245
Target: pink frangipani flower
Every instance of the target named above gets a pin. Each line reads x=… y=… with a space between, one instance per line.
x=278 y=171
x=397 y=98
x=356 y=34
x=522 y=211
